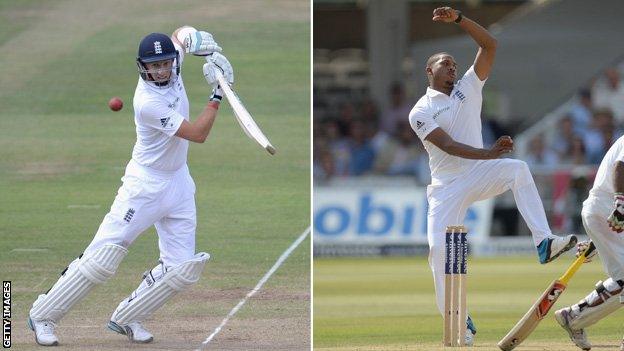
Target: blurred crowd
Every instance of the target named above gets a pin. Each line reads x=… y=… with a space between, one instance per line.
x=361 y=140
x=588 y=129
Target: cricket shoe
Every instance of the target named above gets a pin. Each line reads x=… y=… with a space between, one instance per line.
x=44 y=332
x=578 y=337
x=134 y=331
x=470 y=332
x=553 y=247
x=469 y=340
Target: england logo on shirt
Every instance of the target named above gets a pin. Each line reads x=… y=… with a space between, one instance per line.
x=460 y=95
x=129 y=215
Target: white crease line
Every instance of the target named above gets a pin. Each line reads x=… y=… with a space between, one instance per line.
x=266 y=277
x=29 y=250
x=83 y=206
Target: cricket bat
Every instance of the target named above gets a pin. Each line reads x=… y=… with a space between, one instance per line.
x=244 y=118
x=538 y=311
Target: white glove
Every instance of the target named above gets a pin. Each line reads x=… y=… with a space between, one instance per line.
x=616 y=219
x=217 y=63
x=581 y=247
x=200 y=43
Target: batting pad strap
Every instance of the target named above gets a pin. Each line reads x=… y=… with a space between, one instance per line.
x=597 y=305
x=78 y=279
x=592 y=314
x=150 y=297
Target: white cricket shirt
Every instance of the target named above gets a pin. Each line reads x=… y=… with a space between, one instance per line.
x=158 y=113
x=600 y=199
x=459 y=115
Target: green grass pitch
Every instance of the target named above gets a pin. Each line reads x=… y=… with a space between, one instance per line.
x=63 y=152
x=388 y=303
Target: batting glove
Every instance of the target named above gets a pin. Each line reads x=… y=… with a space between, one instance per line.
x=218 y=64
x=616 y=219
x=200 y=43
x=581 y=247
x=217 y=95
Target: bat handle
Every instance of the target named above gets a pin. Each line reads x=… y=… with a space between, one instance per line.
x=222 y=81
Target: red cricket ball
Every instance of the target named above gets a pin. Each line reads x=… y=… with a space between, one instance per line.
x=115 y=104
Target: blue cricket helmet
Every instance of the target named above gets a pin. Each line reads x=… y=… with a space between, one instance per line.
x=157 y=47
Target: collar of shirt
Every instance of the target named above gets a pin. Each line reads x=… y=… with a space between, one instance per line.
x=434 y=93
x=152 y=87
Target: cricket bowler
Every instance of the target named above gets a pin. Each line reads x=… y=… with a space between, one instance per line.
x=157 y=190
x=603 y=219
x=448 y=121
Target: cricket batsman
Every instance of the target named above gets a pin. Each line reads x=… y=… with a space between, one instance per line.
x=603 y=219
x=157 y=190
x=448 y=121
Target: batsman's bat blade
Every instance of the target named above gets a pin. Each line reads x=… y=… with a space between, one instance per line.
x=244 y=118
x=540 y=308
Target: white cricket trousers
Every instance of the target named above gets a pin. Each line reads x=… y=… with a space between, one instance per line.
x=150 y=197
x=609 y=244
x=449 y=202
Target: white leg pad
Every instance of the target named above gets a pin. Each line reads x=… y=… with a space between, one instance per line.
x=80 y=276
x=158 y=286
x=597 y=305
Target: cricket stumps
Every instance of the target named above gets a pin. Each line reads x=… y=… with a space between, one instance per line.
x=455 y=269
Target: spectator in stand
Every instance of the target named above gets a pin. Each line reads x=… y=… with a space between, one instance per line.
x=539 y=155
x=608 y=138
x=565 y=135
x=398 y=110
x=423 y=175
x=324 y=164
x=599 y=137
x=568 y=144
x=577 y=154
x=361 y=153
x=338 y=147
x=368 y=110
x=320 y=147
x=370 y=118
x=345 y=118
x=608 y=93
x=581 y=112
x=400 y=155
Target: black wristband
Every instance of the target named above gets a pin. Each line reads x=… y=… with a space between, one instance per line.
x=459 y=17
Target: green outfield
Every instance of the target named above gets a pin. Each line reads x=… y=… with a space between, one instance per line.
x=63 y=152
x=388 y=303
